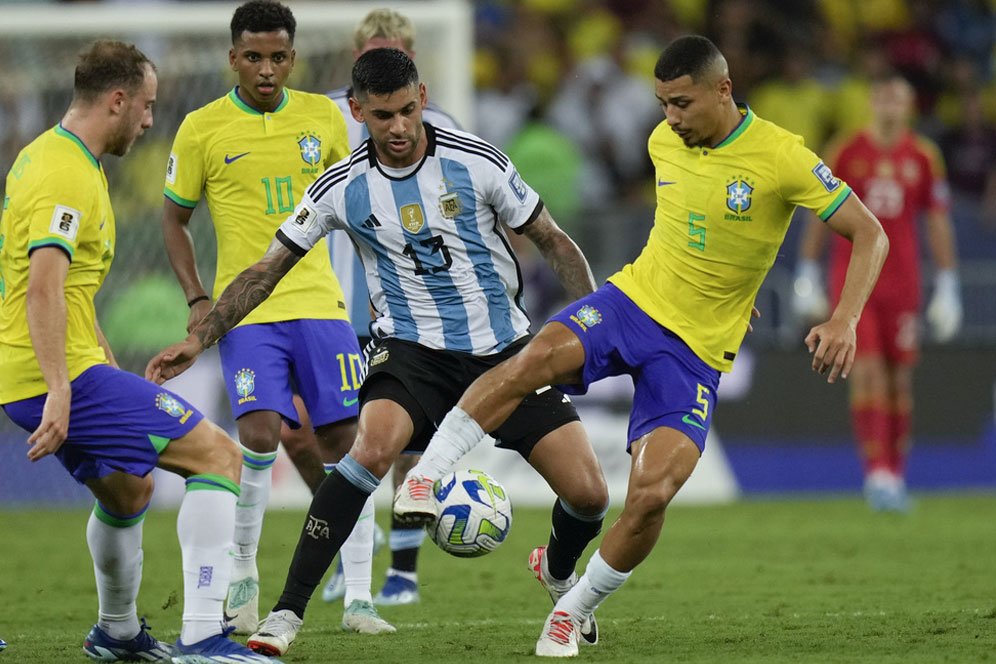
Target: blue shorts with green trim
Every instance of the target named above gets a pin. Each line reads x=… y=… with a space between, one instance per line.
x=118 y=422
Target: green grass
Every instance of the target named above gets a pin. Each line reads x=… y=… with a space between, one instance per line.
x=758 y=581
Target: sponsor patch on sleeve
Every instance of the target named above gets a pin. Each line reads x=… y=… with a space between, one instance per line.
x=171 y=169
x=826 y=177
x=65 y=222
x=517 y=186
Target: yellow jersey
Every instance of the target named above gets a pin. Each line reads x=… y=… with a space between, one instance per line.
x=722 y=213
x=56 y=196
x=253 y=168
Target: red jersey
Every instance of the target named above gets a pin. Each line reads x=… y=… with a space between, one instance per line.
x=897 y=184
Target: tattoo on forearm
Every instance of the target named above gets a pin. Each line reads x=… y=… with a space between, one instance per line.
x=244 y=294
x=565 y=258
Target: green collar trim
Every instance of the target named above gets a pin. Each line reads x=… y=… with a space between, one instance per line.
x=65 y=133
x=237 y=100
x=741 y=128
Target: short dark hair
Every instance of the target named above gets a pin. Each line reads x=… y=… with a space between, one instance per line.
x=690 y=55
x=105 y=65
x=382 y=71
x=262 y=16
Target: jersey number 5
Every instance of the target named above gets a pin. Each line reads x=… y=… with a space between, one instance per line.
x=435 y=245
x=696 y=231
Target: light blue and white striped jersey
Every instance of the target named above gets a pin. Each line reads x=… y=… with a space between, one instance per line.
x=438 y=264
x=345 y=261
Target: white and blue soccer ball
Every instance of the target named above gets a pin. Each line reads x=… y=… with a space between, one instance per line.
x=474 y=513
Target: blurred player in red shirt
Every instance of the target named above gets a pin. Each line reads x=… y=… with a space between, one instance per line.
x=900 y=176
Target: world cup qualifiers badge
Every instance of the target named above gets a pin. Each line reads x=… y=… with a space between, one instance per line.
x=587 y=316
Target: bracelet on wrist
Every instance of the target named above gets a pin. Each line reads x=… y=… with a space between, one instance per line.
x=199 y=298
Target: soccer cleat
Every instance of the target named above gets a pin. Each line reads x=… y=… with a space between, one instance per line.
x=242 y=604
x=3 y=645
x=397 y=590
x=276 y=633
x=557 y=589
x=144 y=647
x=361 y=616
x=335 y=589
x=559 y=637
x=217 y=648
x=413 y=502
x=886 y=492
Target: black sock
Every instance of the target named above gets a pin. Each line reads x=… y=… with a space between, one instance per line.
x=403 y=560
x=331 y=517
x=568 y=538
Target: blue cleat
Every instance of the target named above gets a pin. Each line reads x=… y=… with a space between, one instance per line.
x=144 y=647
x=397 y=590
x=217 y=648
x=3 y=645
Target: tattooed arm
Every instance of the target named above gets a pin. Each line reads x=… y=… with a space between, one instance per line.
x=562 y=254
x=245 y=293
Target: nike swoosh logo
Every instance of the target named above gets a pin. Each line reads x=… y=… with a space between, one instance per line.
x=664 y=183
x=229 y=160
x=687 y=419
x=349 y=402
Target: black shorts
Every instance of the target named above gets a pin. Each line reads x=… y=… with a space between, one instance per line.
x=428 y=383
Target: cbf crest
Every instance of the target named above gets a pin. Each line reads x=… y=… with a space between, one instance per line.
x=587 y=316
x=170 y=405
x=738 y=196
x=412 y=217
x=245 y=385
x=311 y=149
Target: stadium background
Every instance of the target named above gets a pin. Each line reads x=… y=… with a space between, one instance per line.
x=565 y=87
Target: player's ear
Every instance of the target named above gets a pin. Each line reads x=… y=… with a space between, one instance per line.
x=231 y=59
x=292 y=56
x=724 y=89
x=117 y=99
x=423 y=95
x=355 y=109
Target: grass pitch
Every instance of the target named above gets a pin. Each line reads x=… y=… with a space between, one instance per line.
x=758 y=581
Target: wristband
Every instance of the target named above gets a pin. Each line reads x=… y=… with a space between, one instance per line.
x=197 y=299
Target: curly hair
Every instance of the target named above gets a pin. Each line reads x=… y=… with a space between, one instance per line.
x=262 y=16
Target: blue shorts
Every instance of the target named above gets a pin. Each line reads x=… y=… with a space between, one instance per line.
x=267 y=363
x=117 y=422
x=674 y=387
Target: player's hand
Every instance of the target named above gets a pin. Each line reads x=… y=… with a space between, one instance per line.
x=197 y=313
x=54 y=426
x=809 y=300
x=832 y=345
x=754 y=313
x=173 y=361
x=944 y=312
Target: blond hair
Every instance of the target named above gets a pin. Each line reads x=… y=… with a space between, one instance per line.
x=387 y=24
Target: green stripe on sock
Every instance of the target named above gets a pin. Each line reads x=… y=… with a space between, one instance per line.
x=115 y=521
x=211 y=482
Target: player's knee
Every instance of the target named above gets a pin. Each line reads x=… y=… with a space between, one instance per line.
x=649 y=501
x=374 y=457
x=589 y=495
x=258 y=439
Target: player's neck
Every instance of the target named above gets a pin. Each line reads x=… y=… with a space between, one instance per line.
x=84 y=126
x=732 y=117
x=887 y=135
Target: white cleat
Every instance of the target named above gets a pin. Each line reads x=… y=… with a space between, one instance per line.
x=414 y=504
x=276 y=633
x=242 y=604
x=559 y=637
x=362 y=617
x=557 y=589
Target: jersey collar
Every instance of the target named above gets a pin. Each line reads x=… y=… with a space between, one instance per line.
x=237 y=100
x=745 y=121
x=430 y=151
x=65 y=133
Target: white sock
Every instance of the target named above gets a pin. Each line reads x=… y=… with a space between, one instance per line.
x=458 y=434
x=205 y=526
x=257 y=475
x=116 y=549
x=357 y=556
x=599 y=581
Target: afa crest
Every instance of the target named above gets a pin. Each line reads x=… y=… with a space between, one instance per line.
x=450 y=206
x=245 y=383
x=311 y=149
x=738 y=195
x=167 y=403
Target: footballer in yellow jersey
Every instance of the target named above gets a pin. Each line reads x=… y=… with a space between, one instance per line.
x=727 y=183
x=56 y=197
x=252 y=154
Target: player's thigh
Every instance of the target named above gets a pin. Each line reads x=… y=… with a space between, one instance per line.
x=328 y=368
x=204 y=450
x=566 y=460
x=868 y=382
x=389 y=420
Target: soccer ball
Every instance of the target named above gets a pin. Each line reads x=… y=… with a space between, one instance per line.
x=474 y=513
